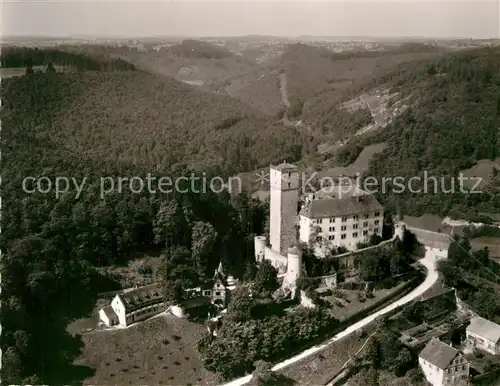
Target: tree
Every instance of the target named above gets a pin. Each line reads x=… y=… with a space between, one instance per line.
x=402 y=363
x=266 y=278
x=240 y=306
x=414 y=312
x=11 y=366
x=173 y=291
x=203 y=240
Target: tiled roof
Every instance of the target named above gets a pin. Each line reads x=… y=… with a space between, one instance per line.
x=141 y=297
x=337 y=191
x=484 y=328
x=438 y=353
x=341 y=207
x=110 y=313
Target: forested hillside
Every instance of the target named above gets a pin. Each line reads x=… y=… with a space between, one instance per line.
x=453 y=122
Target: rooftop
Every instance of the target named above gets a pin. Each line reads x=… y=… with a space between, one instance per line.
x=438 y=353
x=341 y=207
x=431 y=222
x=484 y=328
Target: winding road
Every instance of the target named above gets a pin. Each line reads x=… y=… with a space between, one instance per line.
x=429 y=262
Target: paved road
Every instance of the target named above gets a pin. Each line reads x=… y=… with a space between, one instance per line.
x=429 y=261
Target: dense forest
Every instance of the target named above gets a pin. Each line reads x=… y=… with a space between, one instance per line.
x=149 y=121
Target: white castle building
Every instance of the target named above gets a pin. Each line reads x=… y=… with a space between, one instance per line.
x=325 y=221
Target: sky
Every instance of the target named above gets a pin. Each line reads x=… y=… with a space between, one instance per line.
x=134 y=18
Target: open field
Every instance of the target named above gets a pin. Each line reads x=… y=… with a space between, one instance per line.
x=161 y=350
x=348 y=305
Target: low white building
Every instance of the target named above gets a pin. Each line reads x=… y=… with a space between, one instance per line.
x=484 y=335
x=347 y=221
x=443 y=364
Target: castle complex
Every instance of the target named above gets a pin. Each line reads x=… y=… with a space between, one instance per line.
x=328 y=219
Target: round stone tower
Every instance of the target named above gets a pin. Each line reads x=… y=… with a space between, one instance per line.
x=260 y=248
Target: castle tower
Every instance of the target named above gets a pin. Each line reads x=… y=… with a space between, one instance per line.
x=284 y=187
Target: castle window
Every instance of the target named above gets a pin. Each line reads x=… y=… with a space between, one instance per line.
x=377 y=213
x=355 y=234
x=331 y=237
x=355 y=218
x=376 y=230
x=344 y=219
x=377 y=222
x=343 y=236
x=367 y=215
x=318 y=238
x=365 y=233
x=217 y=293
x=332 y=220
x=332 y=229
x=343 y=227
x=355 y=226
x=365 y=224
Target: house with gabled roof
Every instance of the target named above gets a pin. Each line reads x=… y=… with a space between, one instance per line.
x=484 y=335
x=443 y=364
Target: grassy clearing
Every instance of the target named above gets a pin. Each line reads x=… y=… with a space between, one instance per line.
x=323 y=366
x=136 y=271
x=159 y=351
